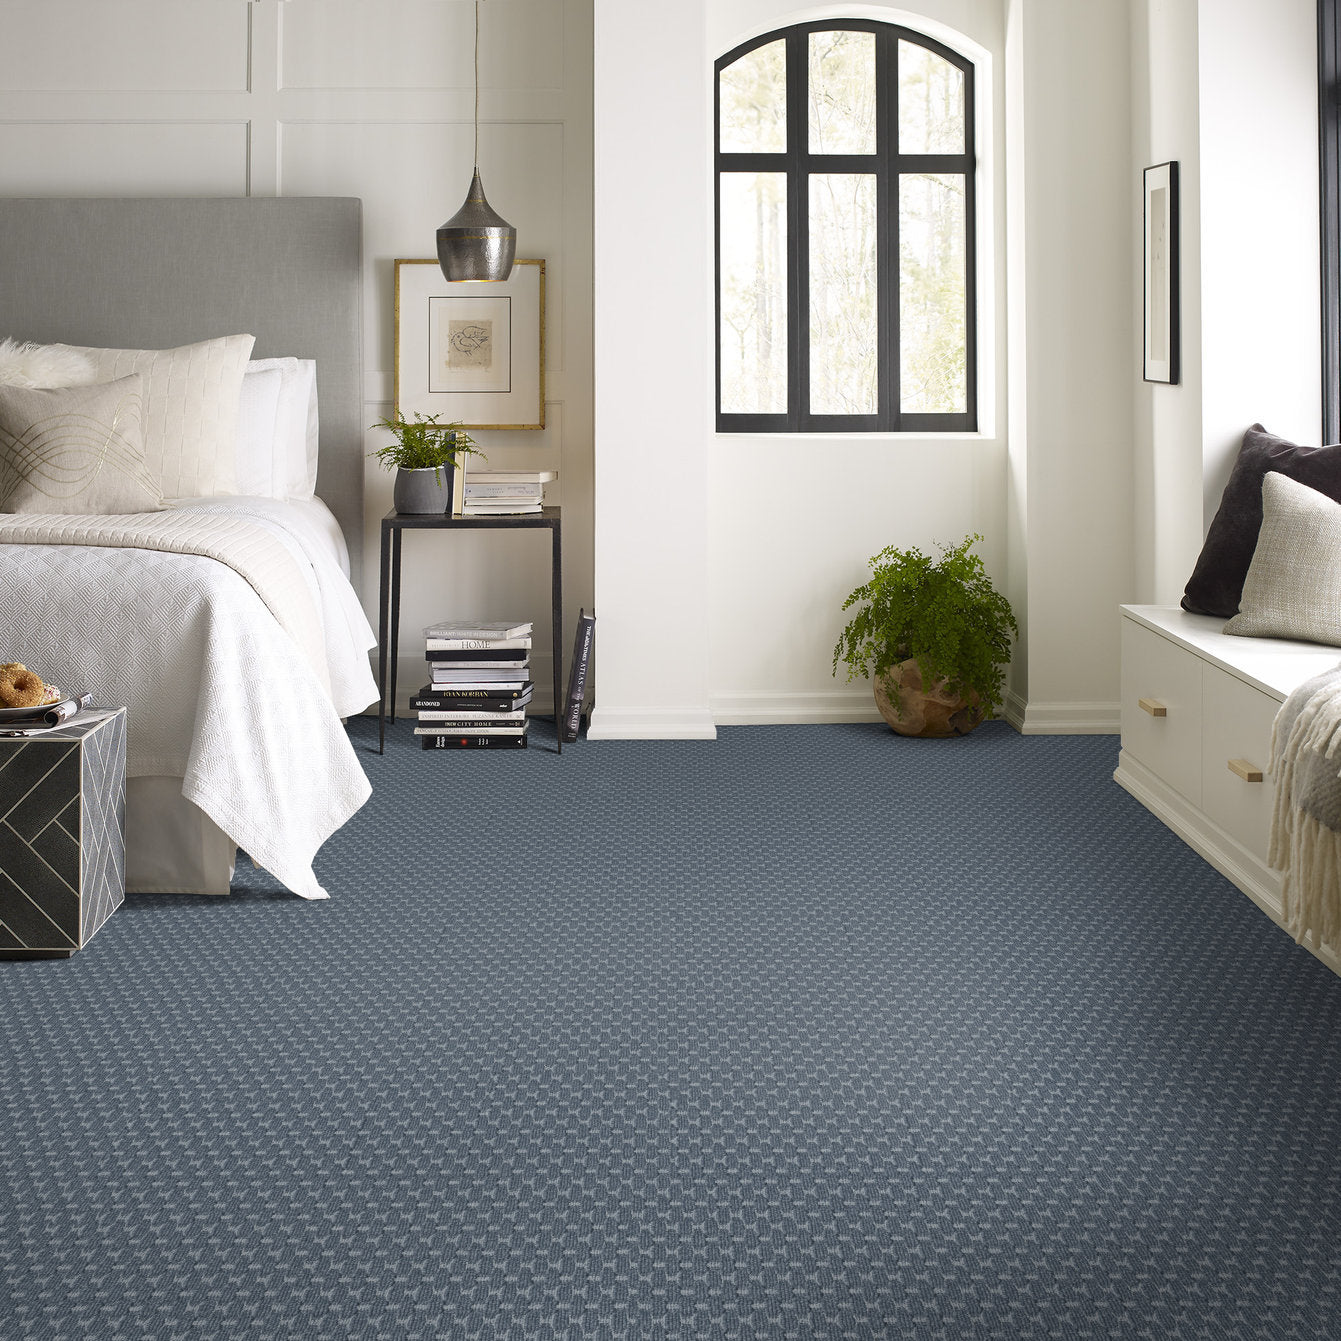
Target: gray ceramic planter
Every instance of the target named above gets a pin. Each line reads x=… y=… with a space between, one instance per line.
x=423 y=490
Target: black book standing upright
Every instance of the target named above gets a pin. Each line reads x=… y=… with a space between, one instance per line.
x=577 y=677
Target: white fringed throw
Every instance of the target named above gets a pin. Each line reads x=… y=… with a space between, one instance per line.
x=1306 y=820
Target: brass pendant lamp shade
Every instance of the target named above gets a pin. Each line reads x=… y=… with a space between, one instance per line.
x=476 y=242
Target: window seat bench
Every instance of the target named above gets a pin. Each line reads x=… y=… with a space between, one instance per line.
x=1197 y=709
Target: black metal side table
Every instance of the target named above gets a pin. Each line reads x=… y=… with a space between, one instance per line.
x=394 y=525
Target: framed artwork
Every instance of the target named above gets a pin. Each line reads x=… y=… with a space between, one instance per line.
x=1161 y=273
x=468 y=351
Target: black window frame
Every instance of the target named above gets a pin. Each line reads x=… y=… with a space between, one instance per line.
x=886 y=165
x=1329 y=193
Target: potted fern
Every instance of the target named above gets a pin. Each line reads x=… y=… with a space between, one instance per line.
x=424 y=457
x=933 y=636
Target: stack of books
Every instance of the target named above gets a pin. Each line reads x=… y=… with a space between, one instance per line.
x=500 y=493
x=479 y=688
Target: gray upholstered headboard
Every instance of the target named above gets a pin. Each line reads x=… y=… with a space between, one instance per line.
x=151 y=274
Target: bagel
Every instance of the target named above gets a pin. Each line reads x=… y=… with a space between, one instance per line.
x=20 y=687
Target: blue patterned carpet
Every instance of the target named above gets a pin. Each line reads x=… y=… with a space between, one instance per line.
x=812 y=1032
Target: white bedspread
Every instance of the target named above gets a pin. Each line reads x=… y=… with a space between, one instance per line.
x=217 y=692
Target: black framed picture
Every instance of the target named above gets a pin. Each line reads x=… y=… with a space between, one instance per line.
x=1161 y=273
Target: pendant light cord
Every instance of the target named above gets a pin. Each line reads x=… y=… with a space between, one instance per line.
x=476 y=86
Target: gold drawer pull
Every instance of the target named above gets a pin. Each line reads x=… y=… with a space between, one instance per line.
x=1153 y=706
x=1248 y=772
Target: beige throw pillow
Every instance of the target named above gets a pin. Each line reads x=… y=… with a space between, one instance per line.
x=1293 y=587
x=74 y=449
x=191 y=398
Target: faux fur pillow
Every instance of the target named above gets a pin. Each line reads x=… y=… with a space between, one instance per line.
x=191 y=398
x=1217 y=581
x=1293 y=588
x=29 y=365
x=74 y=449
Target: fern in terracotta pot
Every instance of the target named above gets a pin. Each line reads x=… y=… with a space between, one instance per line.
x=423 y=456
x=933 y=636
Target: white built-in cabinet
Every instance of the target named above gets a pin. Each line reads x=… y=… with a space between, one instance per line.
x=1197 y=709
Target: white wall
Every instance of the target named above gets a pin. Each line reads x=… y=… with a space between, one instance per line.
x=721 y=560
x=1261 y=328
x=653 y=388
x=793 y=519
x=1071 y=356
x=1167 y=460
x=345 y=97
x=1228 y=88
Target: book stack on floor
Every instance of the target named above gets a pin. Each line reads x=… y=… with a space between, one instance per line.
x=503 y=493
x=479 y=688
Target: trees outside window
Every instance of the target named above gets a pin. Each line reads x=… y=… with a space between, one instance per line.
x=845 y=232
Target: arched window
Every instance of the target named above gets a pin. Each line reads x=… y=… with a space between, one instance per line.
x=845 y=232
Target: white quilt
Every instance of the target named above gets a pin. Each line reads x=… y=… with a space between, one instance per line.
x=219 y=692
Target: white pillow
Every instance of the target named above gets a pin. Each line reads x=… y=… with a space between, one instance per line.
x=1293 y=587
x=294 y=457
x=192 y=396
x=74 y=449
x=257 y=412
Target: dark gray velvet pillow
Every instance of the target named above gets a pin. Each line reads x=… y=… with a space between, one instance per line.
x=1216 y=584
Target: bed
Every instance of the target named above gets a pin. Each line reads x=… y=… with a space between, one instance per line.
x=227 y=623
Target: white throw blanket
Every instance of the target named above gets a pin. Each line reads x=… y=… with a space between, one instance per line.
x=1306 y=820
x=242 y=704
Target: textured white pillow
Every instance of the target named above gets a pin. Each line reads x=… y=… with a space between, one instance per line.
x=30 y=365
x=191 y=399
x=1293 y=587
x=74 y=449
x=294 y=471
x=257 y=412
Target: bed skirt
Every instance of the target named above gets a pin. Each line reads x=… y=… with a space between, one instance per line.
x=172 y=846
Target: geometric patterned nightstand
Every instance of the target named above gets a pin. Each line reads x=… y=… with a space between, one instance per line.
x=62 y=835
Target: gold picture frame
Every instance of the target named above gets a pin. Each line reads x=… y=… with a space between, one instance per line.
x=471 y=352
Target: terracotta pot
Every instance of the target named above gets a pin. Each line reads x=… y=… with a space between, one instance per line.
x=423 y=491
x=923 y=712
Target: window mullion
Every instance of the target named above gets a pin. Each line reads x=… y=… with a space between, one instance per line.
x=798 y=271
x=887 y=229
x=970 y=256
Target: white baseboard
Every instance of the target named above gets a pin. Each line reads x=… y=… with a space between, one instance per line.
x=747 y=708
x=1063 y=719
x=651 y=724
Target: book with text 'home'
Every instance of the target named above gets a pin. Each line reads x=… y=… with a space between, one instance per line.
x=486 y=630
x=501 y=509
x=577 y=677
x=449 y=742
x=478 y=644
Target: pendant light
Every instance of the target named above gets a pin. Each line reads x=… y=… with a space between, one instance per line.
x=476 y=243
